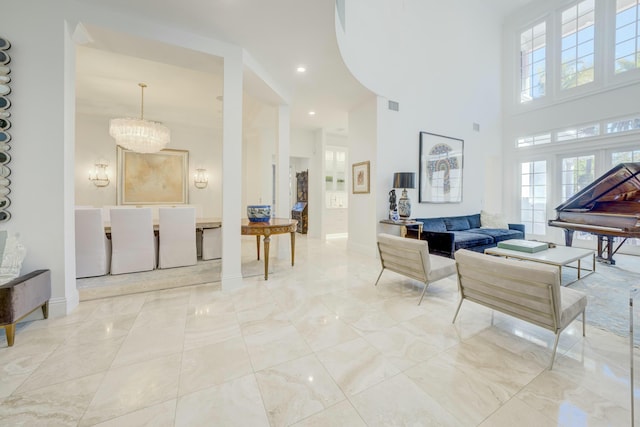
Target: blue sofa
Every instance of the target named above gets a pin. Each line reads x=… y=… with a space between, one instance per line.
x=448 y=234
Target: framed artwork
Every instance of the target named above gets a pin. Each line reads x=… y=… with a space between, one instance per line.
x=441 y=160
x=152 y=178
x=360 y=177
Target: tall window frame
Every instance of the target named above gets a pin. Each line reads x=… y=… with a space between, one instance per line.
x=627 y=36
x=577 y=44
x=533 y=62
x=533 y=196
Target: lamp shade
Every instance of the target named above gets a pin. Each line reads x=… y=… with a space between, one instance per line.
x=404 y=180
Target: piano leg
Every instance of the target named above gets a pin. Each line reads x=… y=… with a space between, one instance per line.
x=568 y=237
x=605 y=243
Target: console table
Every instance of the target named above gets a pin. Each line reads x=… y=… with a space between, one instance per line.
x=266 y=229
x=403 y=225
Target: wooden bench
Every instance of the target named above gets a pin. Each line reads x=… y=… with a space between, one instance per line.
x=528 y=291
x=21 y=296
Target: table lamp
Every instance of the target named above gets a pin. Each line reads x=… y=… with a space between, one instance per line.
x=404 y=180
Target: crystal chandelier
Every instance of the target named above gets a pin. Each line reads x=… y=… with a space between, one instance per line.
x=139 y=135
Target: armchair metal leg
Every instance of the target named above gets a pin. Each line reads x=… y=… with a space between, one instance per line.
x=379 y=276
x=555 y=347
x=457 y=311
x=426 y=285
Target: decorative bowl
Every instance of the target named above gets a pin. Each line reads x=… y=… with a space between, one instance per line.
x=259 y=213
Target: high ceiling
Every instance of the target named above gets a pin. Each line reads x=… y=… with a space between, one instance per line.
x=279 y=34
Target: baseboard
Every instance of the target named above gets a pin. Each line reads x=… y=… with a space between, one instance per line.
x=62 y=306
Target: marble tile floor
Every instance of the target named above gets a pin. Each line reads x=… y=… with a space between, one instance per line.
x=315 y=345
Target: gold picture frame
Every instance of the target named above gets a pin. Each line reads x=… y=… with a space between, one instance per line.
x=360 y=177
x=152 y=178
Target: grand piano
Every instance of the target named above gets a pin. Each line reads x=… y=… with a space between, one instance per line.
x=608 y=207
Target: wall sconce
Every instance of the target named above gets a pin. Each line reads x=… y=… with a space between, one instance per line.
x=99 y=175
x=200 y=178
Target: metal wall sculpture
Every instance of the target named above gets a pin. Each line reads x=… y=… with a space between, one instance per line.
x=5 y=124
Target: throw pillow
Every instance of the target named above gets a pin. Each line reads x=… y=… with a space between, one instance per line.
x=12 y=254
x=492 y=220
x=457 y=223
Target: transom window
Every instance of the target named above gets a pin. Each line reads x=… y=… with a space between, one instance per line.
x=533 y=55
x=627 y=52
x=577 y=56
x=527 y=141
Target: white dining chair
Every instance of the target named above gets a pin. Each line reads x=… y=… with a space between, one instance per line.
x=177 y=237
x=212 y=243
x=132 y=240
x=93 y=249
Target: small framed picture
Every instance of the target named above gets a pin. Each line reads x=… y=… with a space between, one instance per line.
x=360 y=178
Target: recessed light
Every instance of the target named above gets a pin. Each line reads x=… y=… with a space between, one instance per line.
x=312 y=113
x=301 y=69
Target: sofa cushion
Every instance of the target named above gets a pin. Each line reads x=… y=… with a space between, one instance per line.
x=433 y=224
x=474 y=221
x=499 y=234
x=456 y=223
x=466 y=239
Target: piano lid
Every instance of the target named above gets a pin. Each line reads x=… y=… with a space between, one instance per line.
x=620 y=184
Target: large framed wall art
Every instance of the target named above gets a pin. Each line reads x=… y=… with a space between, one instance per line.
x=152 y=178
x=441 y=160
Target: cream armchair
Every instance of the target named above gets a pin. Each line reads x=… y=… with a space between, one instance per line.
x=528 y=291
x=411 y=258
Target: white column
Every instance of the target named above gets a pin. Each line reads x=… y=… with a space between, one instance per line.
x=283 y=210
x=231 y=170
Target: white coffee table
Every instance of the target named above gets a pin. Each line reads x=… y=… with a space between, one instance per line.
x=560 y=256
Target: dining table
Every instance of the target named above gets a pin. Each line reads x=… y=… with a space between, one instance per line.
x=201 y=224
x=266 y=230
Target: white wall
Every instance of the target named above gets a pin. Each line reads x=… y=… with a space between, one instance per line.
x=442 y=62
x=363 y=217
x=93 y=142
x=40 y=149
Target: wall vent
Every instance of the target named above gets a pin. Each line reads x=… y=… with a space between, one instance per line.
x=394 y=106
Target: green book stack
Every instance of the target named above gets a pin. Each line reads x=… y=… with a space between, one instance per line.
x=523 y=245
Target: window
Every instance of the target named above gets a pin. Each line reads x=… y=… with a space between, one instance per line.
x=578 y=133
x=577 y=173
x=578 y=49
x=630 y=156
x=527 y=141
x=533 y=196
x=533 y=62
x=627 y=53
x=623 y=125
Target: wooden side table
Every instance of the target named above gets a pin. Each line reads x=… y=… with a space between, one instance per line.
x=266 y=229
x=403 y=225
